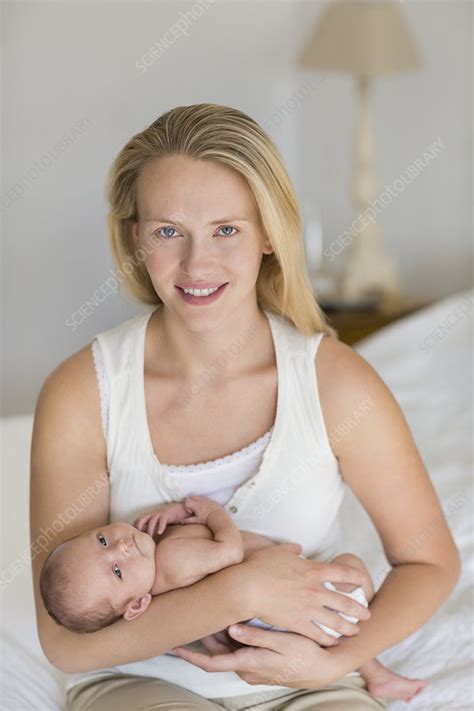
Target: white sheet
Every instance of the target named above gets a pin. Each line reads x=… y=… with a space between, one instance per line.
x=434 y=389
x=433 y=386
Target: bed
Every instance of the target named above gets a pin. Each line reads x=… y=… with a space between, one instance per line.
x=426 y=360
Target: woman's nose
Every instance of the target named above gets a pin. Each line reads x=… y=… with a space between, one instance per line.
x=197 y=258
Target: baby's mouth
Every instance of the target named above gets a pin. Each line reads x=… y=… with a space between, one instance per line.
x=136 y=544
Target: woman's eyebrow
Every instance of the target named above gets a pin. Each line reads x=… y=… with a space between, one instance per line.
x=214 y=222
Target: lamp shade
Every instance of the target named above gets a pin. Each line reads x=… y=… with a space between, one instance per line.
x=361 y=37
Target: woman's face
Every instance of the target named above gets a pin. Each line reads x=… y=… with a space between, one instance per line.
x=115 y=561
x=198 y=224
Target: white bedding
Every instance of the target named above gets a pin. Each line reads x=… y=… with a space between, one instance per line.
x=432 y=381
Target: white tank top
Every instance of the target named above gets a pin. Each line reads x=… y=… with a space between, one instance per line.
x=217 y=478
x=286 y=485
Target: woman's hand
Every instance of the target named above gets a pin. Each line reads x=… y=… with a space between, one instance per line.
x=276 y=658
x=219 y=643
x=287 y=591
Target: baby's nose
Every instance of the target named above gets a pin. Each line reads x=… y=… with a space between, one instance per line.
x=125 y=546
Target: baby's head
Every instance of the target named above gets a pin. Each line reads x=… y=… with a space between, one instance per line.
x=92 y=580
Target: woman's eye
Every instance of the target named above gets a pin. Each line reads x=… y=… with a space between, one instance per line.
x=226 y=227
x=166 y=228
x=116 y=569
x=166 y=232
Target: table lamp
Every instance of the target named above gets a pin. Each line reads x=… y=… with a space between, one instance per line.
x=367 y=39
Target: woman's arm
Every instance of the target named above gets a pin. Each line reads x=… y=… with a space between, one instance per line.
x=69 y=494
x=379 y=460
x=409 y=596
x=185 y=615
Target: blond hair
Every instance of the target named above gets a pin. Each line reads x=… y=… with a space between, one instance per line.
x=228 y=136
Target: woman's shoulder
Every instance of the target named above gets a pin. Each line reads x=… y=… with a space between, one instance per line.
x=346 y=381
x=70 y=389
x=330 y=350
x=77 y=370
x=73 y=382
x=337 y=365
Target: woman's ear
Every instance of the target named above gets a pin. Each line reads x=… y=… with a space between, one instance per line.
x=137 y=607
x=267 y=247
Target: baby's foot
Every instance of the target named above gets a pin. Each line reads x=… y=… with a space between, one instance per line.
x=387 y=684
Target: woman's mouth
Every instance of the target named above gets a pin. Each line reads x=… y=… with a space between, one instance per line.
x=202 y=300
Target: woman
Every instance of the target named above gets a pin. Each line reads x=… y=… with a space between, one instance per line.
x=201 y=199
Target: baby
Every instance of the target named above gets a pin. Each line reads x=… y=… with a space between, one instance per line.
x=95 y=578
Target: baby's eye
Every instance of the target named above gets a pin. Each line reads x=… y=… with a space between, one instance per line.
x=116 y=569
x=100 y=536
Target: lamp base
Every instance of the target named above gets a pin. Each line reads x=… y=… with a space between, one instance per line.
x=369 y=271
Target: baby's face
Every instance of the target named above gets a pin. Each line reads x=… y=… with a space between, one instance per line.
x=115 y=561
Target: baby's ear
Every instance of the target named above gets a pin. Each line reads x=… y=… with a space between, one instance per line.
x=137 y=607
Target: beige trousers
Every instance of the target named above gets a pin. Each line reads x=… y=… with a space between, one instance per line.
x=137 y=693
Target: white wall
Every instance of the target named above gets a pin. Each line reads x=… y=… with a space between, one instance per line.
x=72 y=62
x=428 y=225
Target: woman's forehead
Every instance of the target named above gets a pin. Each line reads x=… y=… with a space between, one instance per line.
x=198 y=192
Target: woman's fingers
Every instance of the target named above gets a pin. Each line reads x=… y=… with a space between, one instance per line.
x=314 y=632
x=340 y=573
x=243 y=659
x=257 y=637
x=322 y=637
x=331 y=619
x=341 y=603
x=239 y=660
x=310 y=628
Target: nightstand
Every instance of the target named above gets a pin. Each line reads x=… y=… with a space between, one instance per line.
x=353 y=325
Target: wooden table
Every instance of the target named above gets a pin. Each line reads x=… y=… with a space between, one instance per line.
x=353 y=325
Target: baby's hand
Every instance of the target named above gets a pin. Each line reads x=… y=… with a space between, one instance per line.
x=199 y=508
x=164 y=515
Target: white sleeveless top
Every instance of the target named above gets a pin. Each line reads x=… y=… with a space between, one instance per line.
x=218 y=478
x=286 y=485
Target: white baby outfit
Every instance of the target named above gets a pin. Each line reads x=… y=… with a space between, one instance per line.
x=286 y=485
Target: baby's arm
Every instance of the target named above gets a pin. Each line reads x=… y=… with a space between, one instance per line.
x=194 y=558
x=156 y=521
x=227 y=547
